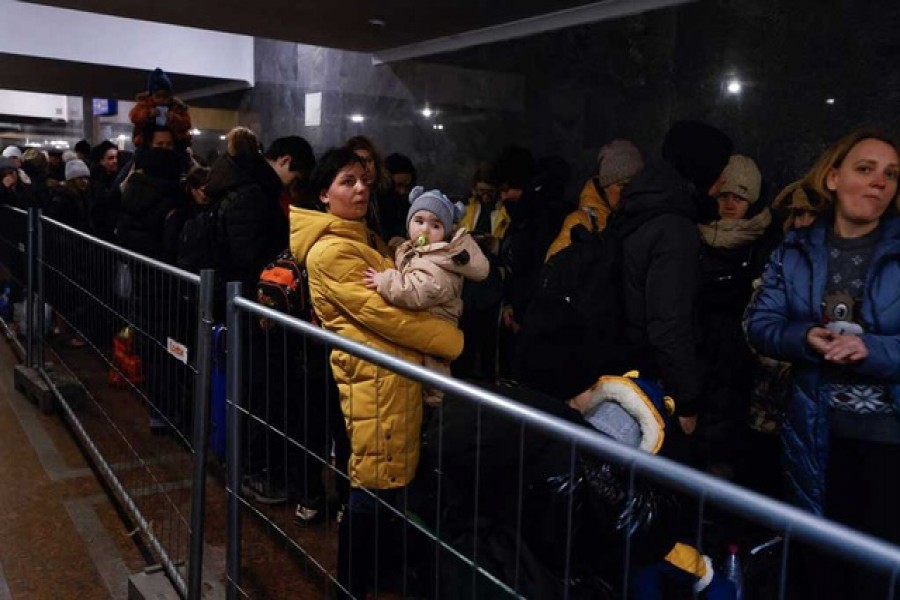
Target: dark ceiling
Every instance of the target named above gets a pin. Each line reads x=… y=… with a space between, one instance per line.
x=99 y=81
x=344 y=25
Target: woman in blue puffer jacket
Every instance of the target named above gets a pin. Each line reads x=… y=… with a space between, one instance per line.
x=830 y=304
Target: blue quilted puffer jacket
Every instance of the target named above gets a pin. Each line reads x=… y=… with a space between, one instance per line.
x=786 y=306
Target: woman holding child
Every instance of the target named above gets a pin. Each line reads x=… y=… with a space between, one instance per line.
x=382 y=410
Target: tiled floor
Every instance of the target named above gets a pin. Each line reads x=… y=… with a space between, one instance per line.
x=60 y=536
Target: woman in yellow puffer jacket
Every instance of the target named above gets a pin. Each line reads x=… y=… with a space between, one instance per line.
x=618 y=162
x=382 y=410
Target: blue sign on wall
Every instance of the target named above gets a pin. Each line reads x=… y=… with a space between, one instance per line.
x=105 y=107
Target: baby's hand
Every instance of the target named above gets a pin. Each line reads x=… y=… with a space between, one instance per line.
x=371 y=278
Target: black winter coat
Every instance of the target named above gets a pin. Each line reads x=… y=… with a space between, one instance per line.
x=105 y=202
x=71 y=207
x=661 y=275
x=252 y=229
x=536 y=219
x=145 y=204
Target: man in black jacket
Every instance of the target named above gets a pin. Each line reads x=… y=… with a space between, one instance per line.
x=661 y=258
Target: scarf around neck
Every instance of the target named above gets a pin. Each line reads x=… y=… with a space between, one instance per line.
x=734 y=233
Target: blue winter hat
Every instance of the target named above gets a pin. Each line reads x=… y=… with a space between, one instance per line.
x=630 y=409
x=436 y=203
x=158 y=80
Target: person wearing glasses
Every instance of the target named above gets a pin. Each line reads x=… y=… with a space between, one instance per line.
x=486 y=218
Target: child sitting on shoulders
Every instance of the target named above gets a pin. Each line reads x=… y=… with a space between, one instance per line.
x=431 y=266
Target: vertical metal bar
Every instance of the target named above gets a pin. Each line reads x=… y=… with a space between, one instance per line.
x=233 y=442
x=39 y=265
x=201 y=431
x=29 y=291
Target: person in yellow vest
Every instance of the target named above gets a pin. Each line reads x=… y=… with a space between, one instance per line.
x=485 y=214
x=618 y=162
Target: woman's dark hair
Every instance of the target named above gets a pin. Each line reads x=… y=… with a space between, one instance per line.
x=327 y=169
x=484 y=172
x=360 y=142
x=398 y=163
x=197 y=177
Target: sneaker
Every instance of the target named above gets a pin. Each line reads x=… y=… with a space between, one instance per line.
x=262 y=490
x=309 y=512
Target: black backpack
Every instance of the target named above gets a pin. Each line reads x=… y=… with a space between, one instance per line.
x=198 y=242
x=284 y=286
x=576 y=318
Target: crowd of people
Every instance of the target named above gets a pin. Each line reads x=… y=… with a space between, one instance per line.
x=769 y=323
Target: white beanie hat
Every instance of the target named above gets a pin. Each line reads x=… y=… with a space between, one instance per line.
x=12 y=152
x=76 y=168
x=742 y=178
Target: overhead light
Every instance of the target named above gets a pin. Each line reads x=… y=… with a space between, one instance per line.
x=427 y=112
x=734 y=87
x=438 y=126
x=121 y=136
x=221 y=137
x=357 y=118
x=829 y=101
x=195 y=132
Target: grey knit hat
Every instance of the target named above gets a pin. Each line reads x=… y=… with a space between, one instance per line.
x=434 y=202
x=76 y=168
x=619 y=160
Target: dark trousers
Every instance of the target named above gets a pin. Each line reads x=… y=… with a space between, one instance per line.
x=478 y=360
x=863 y=492
x=371 y=543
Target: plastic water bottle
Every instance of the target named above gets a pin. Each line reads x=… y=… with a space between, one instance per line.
x=734 y=571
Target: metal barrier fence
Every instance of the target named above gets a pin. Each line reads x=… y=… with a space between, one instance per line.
x=496 y=475
x=137 y=333
x=474 y=521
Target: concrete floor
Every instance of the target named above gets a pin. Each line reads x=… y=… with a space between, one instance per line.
x=60 y=536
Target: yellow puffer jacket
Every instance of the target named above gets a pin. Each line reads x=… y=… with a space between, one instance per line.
x=382 y=410
x=499 y=222
x=589 y=201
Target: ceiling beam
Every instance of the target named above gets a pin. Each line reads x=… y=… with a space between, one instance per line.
x=570 y=17
x=214 y=90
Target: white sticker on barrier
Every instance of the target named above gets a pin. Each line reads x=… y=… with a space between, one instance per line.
x=178 y=350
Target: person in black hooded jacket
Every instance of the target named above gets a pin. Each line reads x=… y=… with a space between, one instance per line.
x=534 y=197
x=661 y=270
x=252 y=229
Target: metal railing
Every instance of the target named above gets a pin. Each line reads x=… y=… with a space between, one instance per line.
x=640 y=469
x=138 y=334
